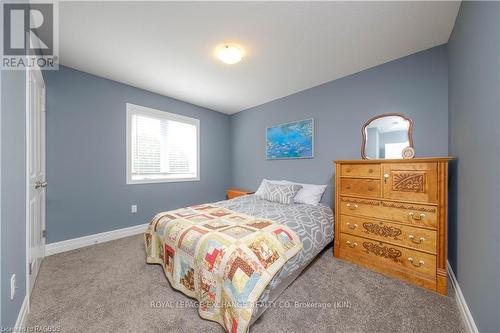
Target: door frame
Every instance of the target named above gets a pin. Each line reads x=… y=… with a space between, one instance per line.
x=27 y=180
x=27 y=174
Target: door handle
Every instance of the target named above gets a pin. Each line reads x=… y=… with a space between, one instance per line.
x=39 y=184
x=352 y=226
x=351 y=245
x=419 y=241
x=412 y=261
x=416 y=217
x=352 y=206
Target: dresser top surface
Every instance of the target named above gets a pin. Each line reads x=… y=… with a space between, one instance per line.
x=410 y=160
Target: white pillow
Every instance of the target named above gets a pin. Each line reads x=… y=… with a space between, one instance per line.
x=309 y=194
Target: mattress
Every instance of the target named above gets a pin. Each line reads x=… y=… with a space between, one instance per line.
x=312 y=224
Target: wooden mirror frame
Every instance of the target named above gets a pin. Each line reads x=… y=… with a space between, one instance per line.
x=363 y=130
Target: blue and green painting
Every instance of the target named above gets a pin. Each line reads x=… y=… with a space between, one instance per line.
x=290 y=140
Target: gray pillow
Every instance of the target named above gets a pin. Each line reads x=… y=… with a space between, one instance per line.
x=282 y=193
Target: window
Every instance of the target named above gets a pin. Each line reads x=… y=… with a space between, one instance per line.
x=393 y=150
x=161 y=146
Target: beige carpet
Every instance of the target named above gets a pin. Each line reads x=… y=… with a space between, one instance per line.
x=109 y=288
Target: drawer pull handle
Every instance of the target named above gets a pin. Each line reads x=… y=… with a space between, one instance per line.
x=370 y=170
x=348 y=187
x=352 y=226
x=352 y=206
x=370 y=189
x=351 y=245
x=420 y=262
x=416 y=217
x=419 y=241
x=386 y=176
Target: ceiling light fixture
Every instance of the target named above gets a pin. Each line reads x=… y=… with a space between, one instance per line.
x=229 y=53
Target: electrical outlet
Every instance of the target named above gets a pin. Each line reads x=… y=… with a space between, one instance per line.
x=12 y=286
x=133 y=209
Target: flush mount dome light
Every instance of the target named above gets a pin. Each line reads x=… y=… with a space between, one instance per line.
x=229 y=53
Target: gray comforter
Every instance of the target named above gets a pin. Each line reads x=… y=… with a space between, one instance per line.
x=313 y=224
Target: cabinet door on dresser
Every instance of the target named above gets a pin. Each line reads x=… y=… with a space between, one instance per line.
x=410 y=182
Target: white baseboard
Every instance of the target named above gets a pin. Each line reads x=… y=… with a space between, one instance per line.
x=76 y=243
x=470 y=324
x=23 y=314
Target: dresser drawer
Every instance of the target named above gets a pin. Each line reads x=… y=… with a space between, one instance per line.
x=412 y=214
x=360 y=170
x=398 y=234
x=361 y=187
x=387 y=255
x=410 y=182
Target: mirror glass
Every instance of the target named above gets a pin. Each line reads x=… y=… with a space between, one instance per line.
x=385 y=137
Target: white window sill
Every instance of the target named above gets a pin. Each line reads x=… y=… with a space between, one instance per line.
x=164 y=180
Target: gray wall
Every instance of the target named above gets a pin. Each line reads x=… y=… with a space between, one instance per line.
x=474 y=121
x=13 y=192
x=416 y=85
x=86 y=151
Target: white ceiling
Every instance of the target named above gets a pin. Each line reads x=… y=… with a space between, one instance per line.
x=168 y=47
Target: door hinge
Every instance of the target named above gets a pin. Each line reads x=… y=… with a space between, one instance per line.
x=29 y=267
x=44 y=233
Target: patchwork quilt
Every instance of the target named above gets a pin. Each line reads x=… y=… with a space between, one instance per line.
x=223 y=258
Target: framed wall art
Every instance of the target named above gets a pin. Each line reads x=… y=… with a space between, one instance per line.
x=290 y=140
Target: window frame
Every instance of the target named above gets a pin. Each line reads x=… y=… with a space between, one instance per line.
x=133 y=109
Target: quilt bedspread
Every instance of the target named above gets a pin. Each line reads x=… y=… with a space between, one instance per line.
x=313 y=225
x=224 y=259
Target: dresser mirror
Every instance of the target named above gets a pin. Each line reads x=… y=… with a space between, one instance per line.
x=386 y=136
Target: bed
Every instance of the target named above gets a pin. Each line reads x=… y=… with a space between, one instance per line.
x=309 y=226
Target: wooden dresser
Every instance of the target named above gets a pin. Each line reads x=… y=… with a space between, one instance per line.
x=391 y=217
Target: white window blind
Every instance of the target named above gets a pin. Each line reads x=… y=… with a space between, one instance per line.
x=161 y=146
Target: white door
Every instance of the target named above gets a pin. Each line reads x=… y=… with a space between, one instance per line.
x=36 y=173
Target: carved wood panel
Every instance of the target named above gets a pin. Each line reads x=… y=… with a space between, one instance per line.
x=383 y=251
x=408 y=182
x=382 y=230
